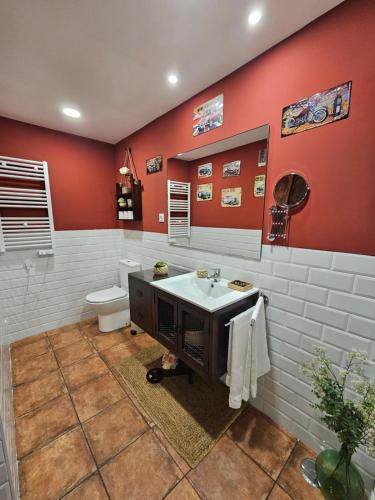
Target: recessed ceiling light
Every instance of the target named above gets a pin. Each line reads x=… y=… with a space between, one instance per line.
x=180 y=154
x=173 y=79
x=71 y=112
x=255 y=16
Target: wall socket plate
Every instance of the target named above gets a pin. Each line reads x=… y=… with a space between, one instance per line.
x=161 y=218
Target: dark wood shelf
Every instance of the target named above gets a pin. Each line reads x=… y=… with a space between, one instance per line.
x=135 y=196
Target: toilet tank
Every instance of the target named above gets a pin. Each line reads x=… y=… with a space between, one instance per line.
x=127 y=266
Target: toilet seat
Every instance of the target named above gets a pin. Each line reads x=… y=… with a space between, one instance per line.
x=107 y=295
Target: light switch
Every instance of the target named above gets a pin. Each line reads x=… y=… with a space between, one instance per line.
x=161 y=217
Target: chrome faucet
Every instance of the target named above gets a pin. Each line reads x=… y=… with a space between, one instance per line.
x=215 y=276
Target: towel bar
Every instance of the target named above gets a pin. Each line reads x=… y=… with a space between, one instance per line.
x=252 y=322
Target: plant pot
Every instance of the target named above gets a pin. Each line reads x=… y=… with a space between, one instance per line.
x=338 y=478
x=161 y=271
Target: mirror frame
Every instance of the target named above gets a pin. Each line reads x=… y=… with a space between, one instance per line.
x=302 y=201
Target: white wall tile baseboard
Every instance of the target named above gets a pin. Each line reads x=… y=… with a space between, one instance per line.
x=316 y=298
x=53 y=292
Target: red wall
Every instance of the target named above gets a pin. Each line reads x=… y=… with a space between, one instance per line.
x=210 y=213
x=81 y=172
x=337 y=159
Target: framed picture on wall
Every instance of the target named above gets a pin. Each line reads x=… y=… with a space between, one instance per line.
x=232 y=168
x=231 y=197
x=154 y=164
x=204 y=192
x=262 y=157
x=208 y=115
x=319 y=109
x=259 y=186
x=205 y=170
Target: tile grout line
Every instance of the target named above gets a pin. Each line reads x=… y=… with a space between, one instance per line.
x=192 y=485
x=251 y=458
x=82 y=430
x=113 y=370
x=125 y=397
x=43 y=405
x=79 y=424
x=116 y=374
x=167 y=451
x=287 y=460
x=85 y=437
x=271 y=490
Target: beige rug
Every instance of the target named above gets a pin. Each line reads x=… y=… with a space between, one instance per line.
x=192 y=417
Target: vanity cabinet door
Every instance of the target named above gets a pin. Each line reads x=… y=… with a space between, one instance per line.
x=140 y=297
x=165 y=317
x=194 y=331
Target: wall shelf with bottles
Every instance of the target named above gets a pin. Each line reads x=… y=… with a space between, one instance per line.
x=129 y=199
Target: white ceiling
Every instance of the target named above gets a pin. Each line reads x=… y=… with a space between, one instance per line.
x=110 y=58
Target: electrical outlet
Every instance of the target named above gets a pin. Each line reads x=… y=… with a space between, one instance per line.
x=161 y=217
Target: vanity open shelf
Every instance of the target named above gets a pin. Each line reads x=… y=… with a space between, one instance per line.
x=198 y=336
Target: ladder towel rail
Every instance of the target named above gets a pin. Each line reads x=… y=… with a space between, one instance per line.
x=178 y=204
x=17 y=233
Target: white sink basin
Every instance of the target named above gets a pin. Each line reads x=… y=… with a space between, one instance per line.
x=201 y=291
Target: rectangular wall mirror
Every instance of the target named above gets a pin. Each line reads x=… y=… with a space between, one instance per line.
x=216 y=195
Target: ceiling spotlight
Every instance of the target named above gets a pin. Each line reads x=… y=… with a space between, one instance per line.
x=173 y=79
x=255 y=16
x=71 y=112
x=180 y=154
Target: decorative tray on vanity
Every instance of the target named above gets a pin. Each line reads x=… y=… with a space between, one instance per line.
x=240 y=286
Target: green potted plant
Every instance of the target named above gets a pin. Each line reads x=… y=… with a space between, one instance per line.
x=160 y=268
x=353 y=421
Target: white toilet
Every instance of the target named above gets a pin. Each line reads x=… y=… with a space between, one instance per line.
x=112 y=304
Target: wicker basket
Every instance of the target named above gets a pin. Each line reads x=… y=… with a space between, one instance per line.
x=194 y=337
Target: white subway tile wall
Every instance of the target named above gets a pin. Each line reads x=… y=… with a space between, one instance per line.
x=316 y=298
x=53 y=292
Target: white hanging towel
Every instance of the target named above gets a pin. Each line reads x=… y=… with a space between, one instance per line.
x=247 y=354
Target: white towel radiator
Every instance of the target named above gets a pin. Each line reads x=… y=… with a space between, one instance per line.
x=178 y=203
x=18 y=232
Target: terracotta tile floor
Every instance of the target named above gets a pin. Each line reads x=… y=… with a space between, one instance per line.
x=82 y=436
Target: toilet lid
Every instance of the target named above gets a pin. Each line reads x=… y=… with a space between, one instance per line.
x=106 y=295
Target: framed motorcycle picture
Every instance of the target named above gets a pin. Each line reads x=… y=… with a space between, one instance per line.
x=204 y=192
x=319 y=109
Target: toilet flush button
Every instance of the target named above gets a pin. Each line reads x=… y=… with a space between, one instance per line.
x=161 y=217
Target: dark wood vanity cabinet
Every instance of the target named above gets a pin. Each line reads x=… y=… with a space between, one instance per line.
x=141 y=296
x=197 y=336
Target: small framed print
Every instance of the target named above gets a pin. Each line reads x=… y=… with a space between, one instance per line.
x=232 y=169
x=204 y=192
x=205 y=170
x=262 y=157
x=208 y=115
x=259 y=186
x=231 y=197
x=154 y=164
